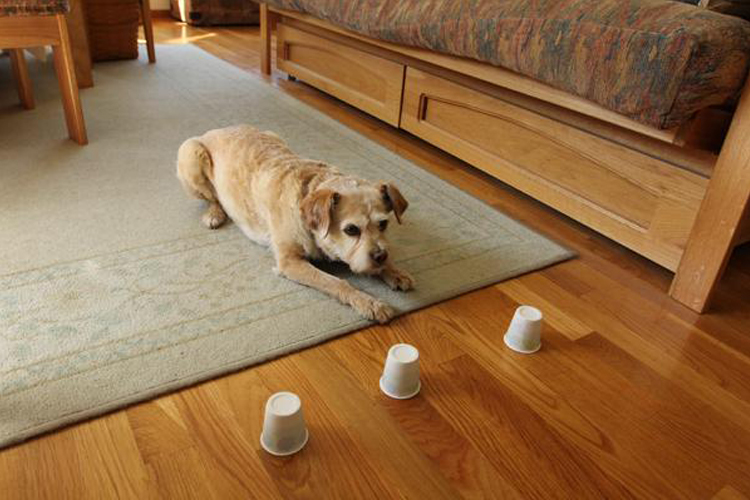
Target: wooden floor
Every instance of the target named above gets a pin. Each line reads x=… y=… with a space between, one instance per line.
x=632 y=395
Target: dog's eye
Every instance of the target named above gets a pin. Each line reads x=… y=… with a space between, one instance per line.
x=352 y=230
x=383 y=224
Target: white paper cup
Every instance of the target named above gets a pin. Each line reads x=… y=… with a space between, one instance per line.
x=400 y=378
x=524 y=334
x=284 y=430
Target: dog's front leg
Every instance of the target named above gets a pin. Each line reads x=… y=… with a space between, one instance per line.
x=300 y=270
x=396 y=278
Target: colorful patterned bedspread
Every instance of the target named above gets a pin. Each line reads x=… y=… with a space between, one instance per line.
x=656 y=61
x=33 y=7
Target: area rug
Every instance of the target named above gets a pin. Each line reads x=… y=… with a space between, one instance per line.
x=112 y=292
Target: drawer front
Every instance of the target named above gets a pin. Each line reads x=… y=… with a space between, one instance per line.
x=368 y=82
x=641 y=202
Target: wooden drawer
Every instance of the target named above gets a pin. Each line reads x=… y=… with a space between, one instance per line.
x=642 y=202
x=364 y=80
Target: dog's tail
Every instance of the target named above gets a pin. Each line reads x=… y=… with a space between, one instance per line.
x=194 y=169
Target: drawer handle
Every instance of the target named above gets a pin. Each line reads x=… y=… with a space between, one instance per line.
x=422 y=107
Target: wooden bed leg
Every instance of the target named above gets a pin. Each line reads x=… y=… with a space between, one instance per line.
x=21 y=75
x=267 y=22
x=717 y=227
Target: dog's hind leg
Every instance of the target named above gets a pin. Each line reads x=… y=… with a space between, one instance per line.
x=193 y=168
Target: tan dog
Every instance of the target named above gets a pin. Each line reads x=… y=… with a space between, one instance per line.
x=303 y=209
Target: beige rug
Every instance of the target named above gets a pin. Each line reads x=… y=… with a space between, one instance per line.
x=111 y=291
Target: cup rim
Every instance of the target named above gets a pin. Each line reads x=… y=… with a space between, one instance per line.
x=396 y=396
x=277 y=453
x=522 y=351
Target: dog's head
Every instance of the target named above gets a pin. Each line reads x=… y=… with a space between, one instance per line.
x=349 y=222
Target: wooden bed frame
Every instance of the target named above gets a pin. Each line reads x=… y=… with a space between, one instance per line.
x=662 y=193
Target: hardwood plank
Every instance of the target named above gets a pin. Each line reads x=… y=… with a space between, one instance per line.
x=378 y=436
x=594 y=376
x=363 y=355
x=52 y=470
x=181 y=475
x=159 y=429
x=316 y=472
x=555 y=316
x=517 y=439
x=231 y=459
x=110 y=459
x=729 y=493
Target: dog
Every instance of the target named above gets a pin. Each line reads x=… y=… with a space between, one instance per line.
x=302 y=209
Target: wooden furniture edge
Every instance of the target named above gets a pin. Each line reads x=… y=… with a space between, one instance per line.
x=489 y=73
x=44 y=31
x=721 y=219
x=268 y=19
x=697 y=161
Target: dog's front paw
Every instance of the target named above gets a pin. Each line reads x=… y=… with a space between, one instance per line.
x=214 y=217
x=372 y=308
x=398 y=280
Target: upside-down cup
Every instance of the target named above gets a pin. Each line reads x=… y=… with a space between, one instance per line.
x=284 y=430
x=400 y=378
x=524 y=334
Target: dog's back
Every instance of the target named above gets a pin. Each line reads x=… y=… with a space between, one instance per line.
x=252 y=176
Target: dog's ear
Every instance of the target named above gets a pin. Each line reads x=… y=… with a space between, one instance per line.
x=394 y=200
x=317 y=209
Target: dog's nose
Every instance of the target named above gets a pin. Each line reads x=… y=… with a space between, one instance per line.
x=379 y=255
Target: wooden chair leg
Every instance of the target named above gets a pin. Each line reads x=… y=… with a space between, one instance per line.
x=66 y=76
x=148 y=30
x=21 y=75
x=718 y=225
x=267 y=21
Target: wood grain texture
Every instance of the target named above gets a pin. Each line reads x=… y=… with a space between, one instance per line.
x=631 y=396
x=368 y=82
x=719 y=224
x=644 y=203
x=28 y=31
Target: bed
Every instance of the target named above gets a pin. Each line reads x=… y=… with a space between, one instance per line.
x=626 y=116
